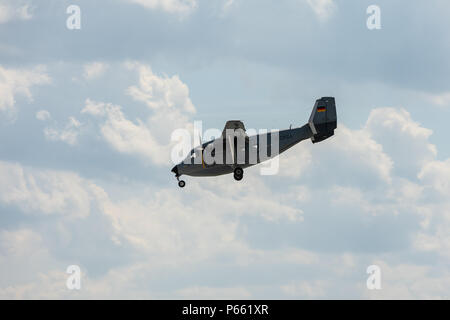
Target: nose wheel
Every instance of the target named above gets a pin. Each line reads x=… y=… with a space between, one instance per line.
x=238 y=174
x=181 y=183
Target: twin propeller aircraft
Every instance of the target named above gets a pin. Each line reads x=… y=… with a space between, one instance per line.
x=234 y=150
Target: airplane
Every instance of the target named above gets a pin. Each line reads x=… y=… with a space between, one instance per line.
x=243 y=150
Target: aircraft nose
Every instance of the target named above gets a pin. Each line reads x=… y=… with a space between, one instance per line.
x=175 y=170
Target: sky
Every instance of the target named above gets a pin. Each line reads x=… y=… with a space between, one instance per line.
x=86 y=117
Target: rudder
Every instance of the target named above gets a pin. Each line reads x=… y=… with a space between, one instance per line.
x=323 y=120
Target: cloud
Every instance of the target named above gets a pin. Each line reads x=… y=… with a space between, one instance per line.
x=353 y=151
x=322 y=8
x=214 y=293
x=43 y=115
x=22 y=243
x=227 y=6
x=160 y=92
x=33 y=272
x=441 y=100
x=69 y=134
x=170 y=106
x=15 y=82
x=44 y=191
x=17 y=248
x=296 y=161
x=403 y=139
x=351 y=157
x=164 y=229
x=309 y=289
x=126 y=136
x=14 y=10
x=409 y=281
x=434 y=235
x=94 y=70
x=170 y=6
x=160 y=223
x=437 y=175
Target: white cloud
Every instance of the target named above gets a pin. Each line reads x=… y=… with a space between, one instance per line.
x=15 y=82
x=214 y=293
x=309 y=289
x=162 y=224
x=295 y=161
x=168 y=228
x=322 y=8
x=170 y=6
x=17 y=248
x=352 y=153
x=437 y=174
x=43 y=115
x=21 y=243
x=442 y=99
x=160 y=92
x=162 y=228
x=127 y=136
x=262 y=203
x=94 y=70
x=227 y=5
x=14 y=10
x=69 y=134
x=44 y=191
x=404 y=139
x=409 y=281
x=167 y=98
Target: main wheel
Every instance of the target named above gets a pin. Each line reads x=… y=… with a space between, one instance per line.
x=181 y=183
x=238 y=178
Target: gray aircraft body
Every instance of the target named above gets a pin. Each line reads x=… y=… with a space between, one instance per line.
x=234 y=151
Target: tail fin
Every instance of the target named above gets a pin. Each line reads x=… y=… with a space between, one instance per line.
x=323 y=119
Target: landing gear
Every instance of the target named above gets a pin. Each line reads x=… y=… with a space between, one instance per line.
x=181 y=183
x=238 y=174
